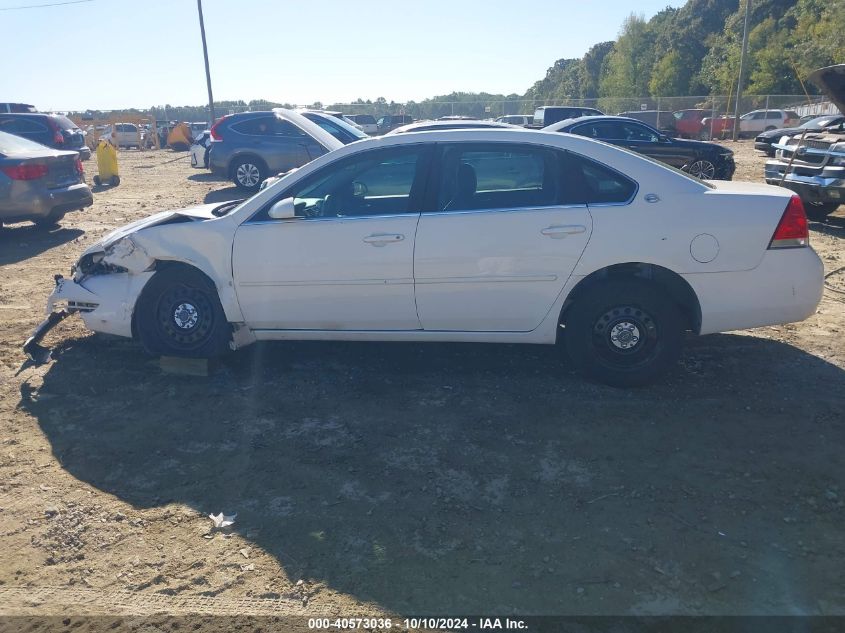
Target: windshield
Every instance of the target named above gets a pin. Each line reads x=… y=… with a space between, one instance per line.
x=11 y=144
x=338 y=128
x=818 y=123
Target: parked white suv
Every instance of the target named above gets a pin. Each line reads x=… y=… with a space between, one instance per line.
x=124 y=135
x=761 y=120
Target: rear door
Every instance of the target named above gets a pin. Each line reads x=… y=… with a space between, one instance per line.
x=504 y=234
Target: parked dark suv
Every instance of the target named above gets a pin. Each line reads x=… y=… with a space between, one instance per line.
x=52 y=130
x=250 y=146
x=709 y=161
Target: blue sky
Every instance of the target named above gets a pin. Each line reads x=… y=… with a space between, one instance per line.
x=121 y=53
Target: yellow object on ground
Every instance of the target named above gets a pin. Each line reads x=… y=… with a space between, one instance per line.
x=180 y=137
x=106 y=164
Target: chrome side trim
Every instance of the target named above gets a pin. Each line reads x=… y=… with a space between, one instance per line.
x=329 y=282
x=485 y=279
x=348 y=218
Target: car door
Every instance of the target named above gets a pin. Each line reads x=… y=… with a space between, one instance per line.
x=291 y=146
x=504 y=234
x=648 y=141
x=346 y=261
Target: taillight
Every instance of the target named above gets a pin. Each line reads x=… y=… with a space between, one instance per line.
x=215 y=129
x=792 y=230
x=27 y=171
x=78 y=165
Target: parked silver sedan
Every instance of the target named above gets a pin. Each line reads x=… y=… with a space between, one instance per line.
x=38 y=183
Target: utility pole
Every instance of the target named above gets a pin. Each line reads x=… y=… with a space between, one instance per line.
x=208 y=72
x=741 y=69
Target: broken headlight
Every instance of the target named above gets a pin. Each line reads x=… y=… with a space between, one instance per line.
x=93 y=264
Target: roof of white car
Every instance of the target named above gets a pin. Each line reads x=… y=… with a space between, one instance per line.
x=449 y=124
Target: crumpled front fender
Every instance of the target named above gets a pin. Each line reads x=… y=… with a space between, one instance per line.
x=105 y=302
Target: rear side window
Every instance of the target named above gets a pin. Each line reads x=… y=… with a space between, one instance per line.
x=496 y=176
x=365 y=119
x=22 y=126
x=259 y=126
x=583 y=180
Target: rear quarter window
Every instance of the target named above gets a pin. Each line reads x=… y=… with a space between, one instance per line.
x=585 y=181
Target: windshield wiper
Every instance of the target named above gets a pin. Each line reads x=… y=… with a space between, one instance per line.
x=226 y=207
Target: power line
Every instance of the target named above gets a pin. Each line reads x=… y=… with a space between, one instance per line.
x=41 y=6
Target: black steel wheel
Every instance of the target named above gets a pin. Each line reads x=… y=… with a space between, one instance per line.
x=624 y=333
x=179 y=314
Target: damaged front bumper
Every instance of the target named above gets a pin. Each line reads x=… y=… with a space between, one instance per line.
x=104 y=302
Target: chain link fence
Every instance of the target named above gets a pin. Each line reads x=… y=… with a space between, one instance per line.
x=718 y=104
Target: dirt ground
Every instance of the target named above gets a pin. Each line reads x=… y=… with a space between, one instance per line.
x=410 y=479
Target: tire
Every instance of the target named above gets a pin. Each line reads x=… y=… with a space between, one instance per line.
x=97 y=181
x=51 y=220
x=115 y=181
x=704 y=135
x=624 y=333
x=248 y=173
x=179 y=314
x=818 y=211
x=770 y=128
x=702 y=168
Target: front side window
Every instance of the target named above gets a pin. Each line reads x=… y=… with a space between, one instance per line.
x=372 y=183
x=496 y=176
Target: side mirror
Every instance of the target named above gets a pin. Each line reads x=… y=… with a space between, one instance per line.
x=282 y=210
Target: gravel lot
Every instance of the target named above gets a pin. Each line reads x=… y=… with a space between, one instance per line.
x=411 y=479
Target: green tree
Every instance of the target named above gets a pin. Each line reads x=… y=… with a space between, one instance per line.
x=669 y=77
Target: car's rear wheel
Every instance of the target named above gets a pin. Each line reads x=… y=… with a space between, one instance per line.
x=179 y=314
x=623 y=333
x=702 y=168
x=248 y=173
x=50 y=220
x=818 y=211
x=704 y=135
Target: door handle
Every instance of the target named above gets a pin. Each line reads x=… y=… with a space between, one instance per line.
x=558 y=232
x=382 y=239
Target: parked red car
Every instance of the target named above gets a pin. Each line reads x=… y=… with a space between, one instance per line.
x=688 y=122
x=718 y=127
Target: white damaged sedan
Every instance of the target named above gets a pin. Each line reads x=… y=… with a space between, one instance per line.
x=508 y=236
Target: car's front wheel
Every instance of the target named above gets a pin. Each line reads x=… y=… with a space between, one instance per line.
x=702 y=168
x=179 y=314
x=248 y=173
x=624 y=333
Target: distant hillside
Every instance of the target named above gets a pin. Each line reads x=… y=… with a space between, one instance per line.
x=695 y=50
